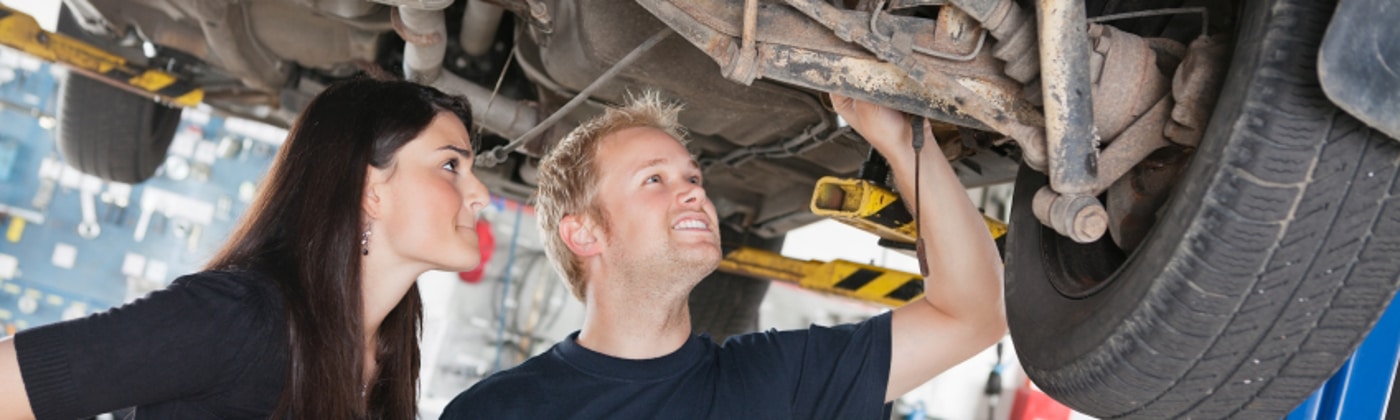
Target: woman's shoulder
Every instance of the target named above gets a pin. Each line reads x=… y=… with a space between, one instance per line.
x=230 y=287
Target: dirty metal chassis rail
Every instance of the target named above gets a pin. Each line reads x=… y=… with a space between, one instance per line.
x=790 y=48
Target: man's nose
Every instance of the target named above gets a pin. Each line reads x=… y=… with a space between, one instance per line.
x=692 y=194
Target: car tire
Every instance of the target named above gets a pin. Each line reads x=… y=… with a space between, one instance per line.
x=111 y=133
x=1274 y=257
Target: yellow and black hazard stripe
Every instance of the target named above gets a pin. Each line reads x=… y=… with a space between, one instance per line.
x=873 y=208
x=871 y=283
x=865 y=205
x=22 y=32
x=861 y=281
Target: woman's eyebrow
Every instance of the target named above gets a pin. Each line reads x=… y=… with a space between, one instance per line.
x=466 y=153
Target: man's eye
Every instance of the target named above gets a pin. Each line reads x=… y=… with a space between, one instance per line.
x=653 y=178
x=695 y=180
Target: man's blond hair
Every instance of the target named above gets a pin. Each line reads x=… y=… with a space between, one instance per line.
x=568 y=176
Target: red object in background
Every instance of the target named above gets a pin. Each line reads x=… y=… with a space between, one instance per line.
x=486 y=243
x=1032 y=404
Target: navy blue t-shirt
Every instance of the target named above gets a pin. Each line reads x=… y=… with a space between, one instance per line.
x=820 y=373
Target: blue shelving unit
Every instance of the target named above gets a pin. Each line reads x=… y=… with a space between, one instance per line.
x=96 y=280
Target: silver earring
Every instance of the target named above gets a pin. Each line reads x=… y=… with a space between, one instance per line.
x=364 y=242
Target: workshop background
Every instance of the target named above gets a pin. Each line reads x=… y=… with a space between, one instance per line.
x=75 y=245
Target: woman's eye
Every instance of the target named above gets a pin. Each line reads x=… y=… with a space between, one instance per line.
x=653 y=178
x=695 y=180
x=450 y=166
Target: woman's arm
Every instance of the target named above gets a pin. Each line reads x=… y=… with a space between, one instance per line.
x=12 y=395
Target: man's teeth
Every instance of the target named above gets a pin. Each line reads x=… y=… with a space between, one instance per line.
x=690 y=224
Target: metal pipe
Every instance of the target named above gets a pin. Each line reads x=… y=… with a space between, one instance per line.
x=1069 y=112
x=742 y=68
x=424 y=33
x=505 y=116
x=479 y=25
x=750 y=26
x=497 y=155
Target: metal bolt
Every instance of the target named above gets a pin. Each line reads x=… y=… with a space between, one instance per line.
x=1078 y=217
x=1090 y=222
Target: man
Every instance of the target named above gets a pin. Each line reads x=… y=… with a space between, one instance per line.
x=628 y=224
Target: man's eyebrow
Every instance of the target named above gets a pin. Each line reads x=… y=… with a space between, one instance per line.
x=650 y=164
x=466 y=153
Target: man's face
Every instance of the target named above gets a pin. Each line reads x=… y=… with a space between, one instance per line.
x=661 y=223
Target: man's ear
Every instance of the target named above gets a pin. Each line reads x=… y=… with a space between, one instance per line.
x=373 y=198
x=581 y=235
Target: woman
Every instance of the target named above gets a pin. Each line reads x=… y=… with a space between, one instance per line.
x=310 y=310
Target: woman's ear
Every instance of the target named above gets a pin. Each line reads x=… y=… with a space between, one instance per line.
x=373 y=198
x=581 y=235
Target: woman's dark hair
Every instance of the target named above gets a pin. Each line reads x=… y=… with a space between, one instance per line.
x=304 y=231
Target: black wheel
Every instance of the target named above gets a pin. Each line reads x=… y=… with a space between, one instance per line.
x=111 y=133
x=725 y=304
x=104 y=130
x=1271 y=261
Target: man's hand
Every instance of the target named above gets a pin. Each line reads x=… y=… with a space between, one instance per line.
x=886 y=129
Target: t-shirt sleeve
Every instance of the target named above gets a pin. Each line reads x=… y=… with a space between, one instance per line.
x=180 y=342
x=836 y=372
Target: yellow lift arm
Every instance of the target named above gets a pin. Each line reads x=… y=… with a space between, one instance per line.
x=873 y=208
x=861 y=281
x=22 y=32
x=867 y=206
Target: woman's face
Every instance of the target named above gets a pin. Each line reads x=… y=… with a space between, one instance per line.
x=424 y=207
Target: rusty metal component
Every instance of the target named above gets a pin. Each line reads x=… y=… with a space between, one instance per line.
x=425 y=32
x=1133 y=107
x=937 y=97
x=1140 y=139
x=894 y=47
x=1069 y=111
x=914 y=46
x=1127 y=81
x=947 y=94
x=1015 y=32
x=1195 y=88
x=742 y=68
x=409 y=35
x=794 y=50
x=1133 y=200
x=958 y=32
x=1078 y=217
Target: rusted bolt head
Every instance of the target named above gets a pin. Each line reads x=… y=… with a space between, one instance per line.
x=1090 y=222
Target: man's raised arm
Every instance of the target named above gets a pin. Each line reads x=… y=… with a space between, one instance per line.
x=961 y=312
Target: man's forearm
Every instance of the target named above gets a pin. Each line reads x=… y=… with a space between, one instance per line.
x=965 y=272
